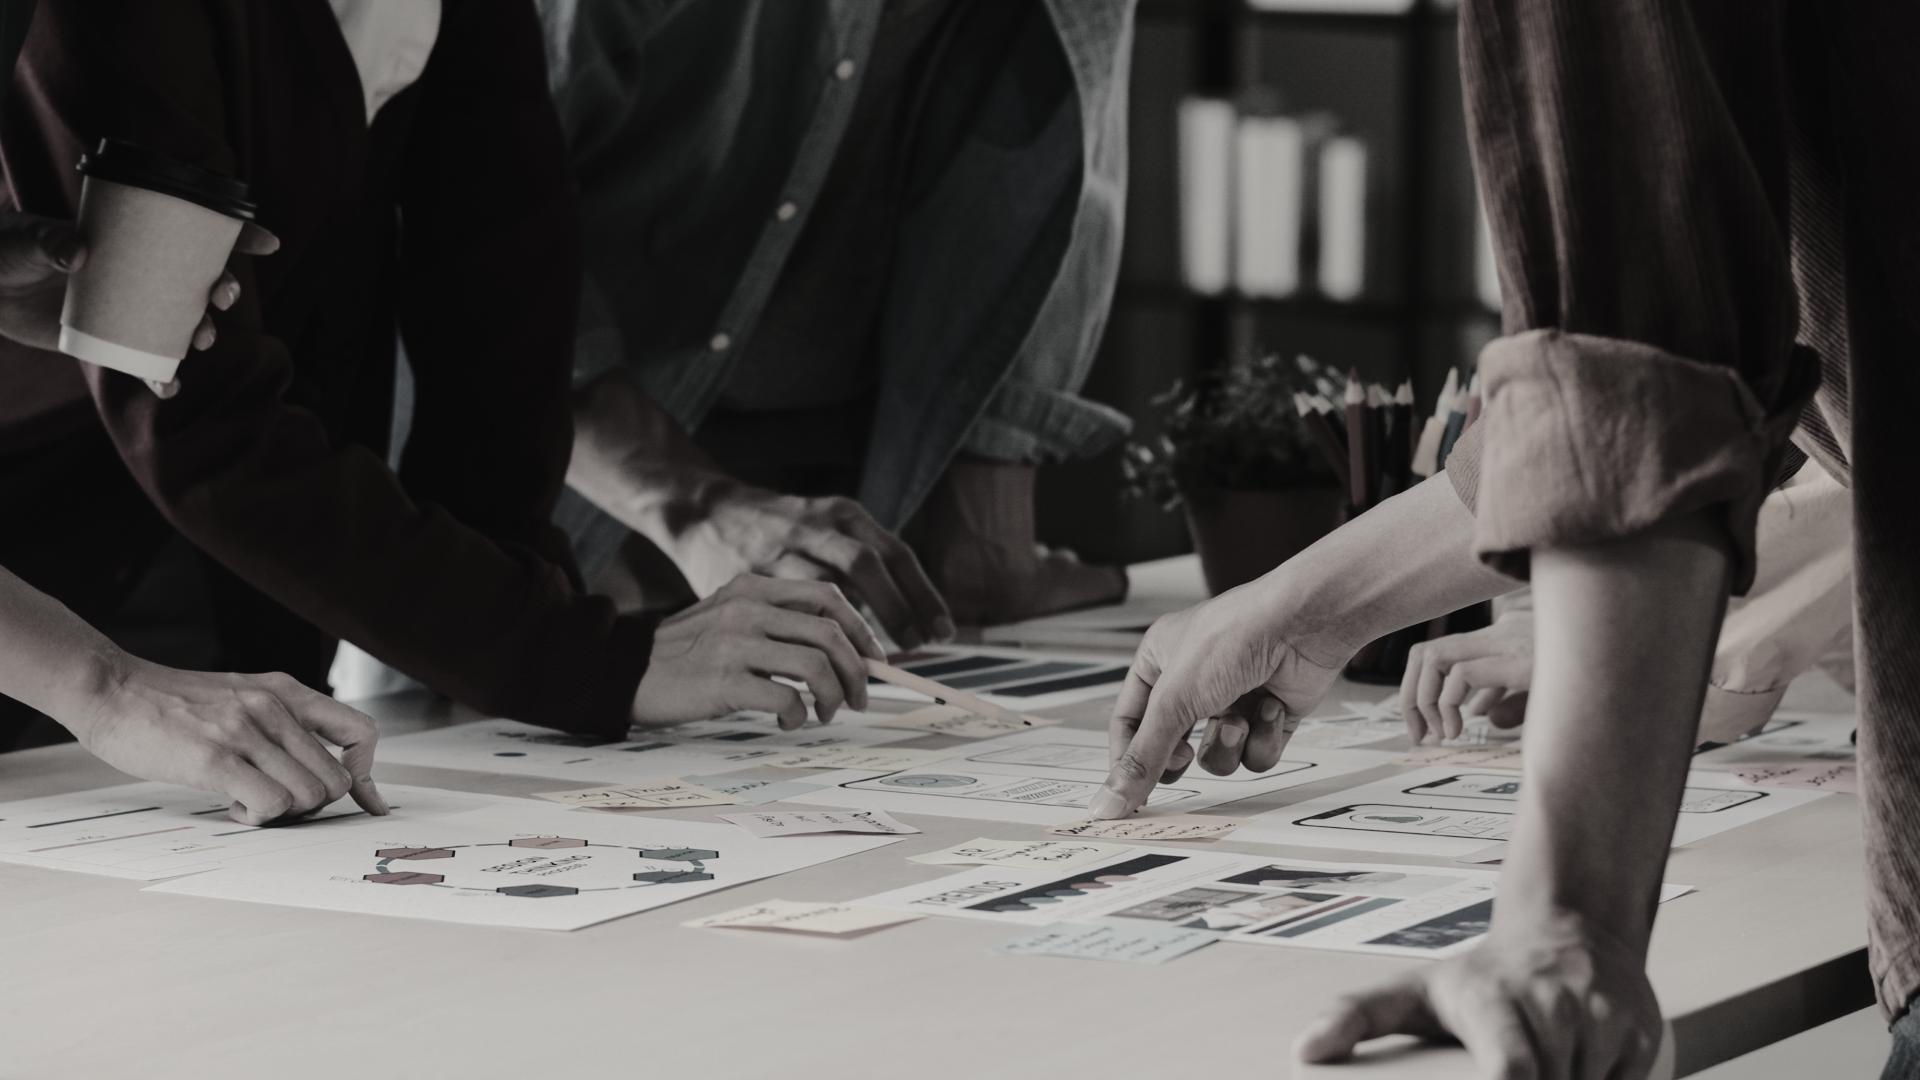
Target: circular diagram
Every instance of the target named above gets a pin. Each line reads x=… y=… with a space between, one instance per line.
x=929 y=780
x=580 y=866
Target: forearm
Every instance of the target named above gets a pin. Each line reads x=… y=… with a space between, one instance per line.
x=50 y=658
x=636 y=463
x=1624 y=635
x=1407 y=560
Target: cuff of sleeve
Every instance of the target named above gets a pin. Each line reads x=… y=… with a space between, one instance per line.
x=1587 y=439
x=1026 y=424
x=598 y=698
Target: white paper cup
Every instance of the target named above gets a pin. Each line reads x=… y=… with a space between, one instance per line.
x=158 y=233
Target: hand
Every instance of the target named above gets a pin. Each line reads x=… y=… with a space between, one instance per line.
x=251 y=737
x=1226 y=660
x=721 y=654
x=1485 y=672
x=36 y=255
x=748 y=530
x=1561 y=1001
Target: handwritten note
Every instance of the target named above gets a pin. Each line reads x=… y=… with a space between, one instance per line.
x=805 y=917
x=1478 y=757
x=1801 y=775
x=801 y=822
x=1158 y=827
x=753 y=792
x=852 y=757
x=1148 y=943
x=964 y=723
x=649 y=796
x=1058 y=854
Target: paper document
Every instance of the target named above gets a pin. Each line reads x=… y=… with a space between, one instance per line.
x=1048 y=777
x=1059 y=854
x=754 y=792
x=654 y=794
x=541 y=868
x=1788 y=737
x=1143 y=943
x=1013 y=678
x=1459 y=757
x=808 y=918
x=837 y=757
x=149 y=831
x=704 y=746
x=1449 y=812
x=953 y=720
x=1154 y=827
x=798 y=823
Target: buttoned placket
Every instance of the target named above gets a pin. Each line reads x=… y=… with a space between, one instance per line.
x=704 y=382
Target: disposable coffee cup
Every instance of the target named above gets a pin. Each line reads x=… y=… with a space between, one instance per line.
x=158 y=232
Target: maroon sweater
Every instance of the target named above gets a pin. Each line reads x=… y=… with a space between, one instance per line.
x=453 y=218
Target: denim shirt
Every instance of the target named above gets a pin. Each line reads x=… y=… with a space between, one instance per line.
x=701 y=136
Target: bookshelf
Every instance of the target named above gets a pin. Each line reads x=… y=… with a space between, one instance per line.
x=1380 y=75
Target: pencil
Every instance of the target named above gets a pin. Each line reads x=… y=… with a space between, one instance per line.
x=1401 y=453
x=1322 y=432
x=946 y=695
x=1426 y=456
x=1473 y=401
x=1356 y=440
x=1379 y=463
x=1456 y=423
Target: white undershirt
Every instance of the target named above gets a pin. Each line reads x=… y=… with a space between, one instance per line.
x=390 y=41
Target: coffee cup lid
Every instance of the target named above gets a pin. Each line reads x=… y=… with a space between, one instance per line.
x=136 y=166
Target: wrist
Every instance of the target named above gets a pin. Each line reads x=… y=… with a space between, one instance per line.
x=78 y=692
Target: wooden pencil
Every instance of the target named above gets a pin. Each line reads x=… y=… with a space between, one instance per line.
x=1323 y=434
x=1356 y=440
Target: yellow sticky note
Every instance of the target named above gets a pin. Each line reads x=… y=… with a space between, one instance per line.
x=1156 y=827
x=954 y=720
x=806 y=917
x=877 y=759
x=1056 y=854
x=651 y=795
x=1478 y=757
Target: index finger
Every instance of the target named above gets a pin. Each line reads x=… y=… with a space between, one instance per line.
x=814 y=598
x=863 y=570
x=936 y=622
x=353 y=731
x=1169 y=716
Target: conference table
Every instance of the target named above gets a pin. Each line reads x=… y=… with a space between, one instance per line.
x=105 y=981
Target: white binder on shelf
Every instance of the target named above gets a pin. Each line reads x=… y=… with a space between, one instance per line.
x=1206 y=194
x=1270 y=168
x=1343 y=218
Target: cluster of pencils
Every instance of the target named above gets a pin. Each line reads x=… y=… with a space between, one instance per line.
x=1371 y=443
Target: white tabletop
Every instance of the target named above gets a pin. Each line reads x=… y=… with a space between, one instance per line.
x=105 y=981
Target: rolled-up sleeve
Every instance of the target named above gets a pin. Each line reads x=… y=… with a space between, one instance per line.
x=1633 y=157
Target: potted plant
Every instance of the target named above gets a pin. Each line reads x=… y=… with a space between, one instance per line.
x=1236 y=453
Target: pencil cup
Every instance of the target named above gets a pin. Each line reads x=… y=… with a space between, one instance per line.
x=158 y=232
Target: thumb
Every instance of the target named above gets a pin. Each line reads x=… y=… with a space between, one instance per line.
x=1397 y=1009
x=35 y=249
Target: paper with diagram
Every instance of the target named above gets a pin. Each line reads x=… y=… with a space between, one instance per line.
x=148 y=831
x=539 y=868
x=1448 y=812
x=1019 y=679
x=1048 y=777
x=703 y=747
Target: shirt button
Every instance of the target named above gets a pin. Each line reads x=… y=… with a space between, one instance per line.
x=843 y=70
x=786 y=211
x=719 y=342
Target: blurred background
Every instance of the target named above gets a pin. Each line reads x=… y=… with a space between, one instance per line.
x=1299 y=183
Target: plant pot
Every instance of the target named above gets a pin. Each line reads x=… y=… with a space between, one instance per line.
x=1241 y=535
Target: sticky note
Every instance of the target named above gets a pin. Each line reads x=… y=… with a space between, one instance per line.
x=650 y=795
x=954 y=720
x=753 y=792
x=1156 y=827
x=1147 y=943
x=1057 y=854
x=805 y=917
x=853 y=757
x=801 y=822
x=1801 y=775
x=1479 y=757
